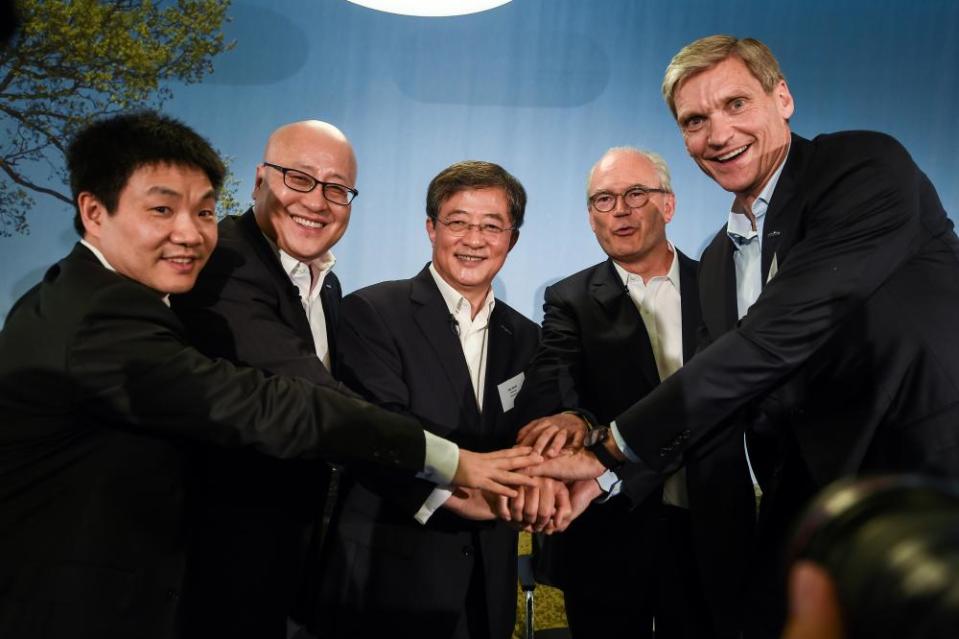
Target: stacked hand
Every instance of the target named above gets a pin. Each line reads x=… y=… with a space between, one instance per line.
x=541 y=485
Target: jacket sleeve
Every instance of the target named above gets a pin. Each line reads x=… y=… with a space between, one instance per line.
x=134 y=370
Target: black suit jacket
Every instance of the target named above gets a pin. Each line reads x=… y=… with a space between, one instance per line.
x=101 y=396
x=388 y=573
x=595 y=355
x=849 y=359
x=255 y=516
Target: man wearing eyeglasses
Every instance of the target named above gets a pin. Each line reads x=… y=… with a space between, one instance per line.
x=440 y=347
x=829 y=305
x=611 y=333
x=268 y=299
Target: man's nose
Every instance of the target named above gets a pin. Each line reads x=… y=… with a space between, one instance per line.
x=719 y=131
x=186 y=229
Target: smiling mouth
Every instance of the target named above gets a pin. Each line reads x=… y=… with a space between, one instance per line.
x=310 y=224
x=470 y=258
x=732 y=154
x=182 y=260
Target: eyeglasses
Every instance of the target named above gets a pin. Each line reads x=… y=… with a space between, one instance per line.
x=634 y=198
x=459 y=228
x=304 y=183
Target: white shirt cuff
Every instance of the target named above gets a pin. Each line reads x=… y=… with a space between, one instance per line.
x=433 y=503
x=611 y=485
x=442 y=458
x=621 y=443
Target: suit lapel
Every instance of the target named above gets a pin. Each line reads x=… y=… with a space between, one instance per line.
x=499 y=357
x=781 y=227
x=608 y=290
x=689 y=304
x=717 y=286
x=434 y=320
x=287 y=293
x=330 y=297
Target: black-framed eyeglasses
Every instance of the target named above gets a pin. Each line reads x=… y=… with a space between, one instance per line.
x=634 y=198
x=304 y=183
x=459 y=228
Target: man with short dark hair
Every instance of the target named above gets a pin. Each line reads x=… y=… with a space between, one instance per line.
x=439 y=347
x=268 y=298
x=101 y=396
x=829 y=304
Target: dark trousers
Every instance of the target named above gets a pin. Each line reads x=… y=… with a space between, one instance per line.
x=671 y=598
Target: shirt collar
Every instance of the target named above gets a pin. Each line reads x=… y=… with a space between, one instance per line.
x=738 y=226
x=323 y=263
x=103 y=260
x=672 y=274
x=290 y=264
x=455 y=301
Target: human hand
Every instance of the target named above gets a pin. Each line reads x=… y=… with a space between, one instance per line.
x=472 y=503
x=570 y=466
x=581 y=495
x=549 y=435
x=493 y=472
x=541 y=508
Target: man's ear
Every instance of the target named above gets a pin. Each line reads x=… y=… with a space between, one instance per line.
x=669 y=207
x=513 y=239
x=92 y=213
x=258 y=180
x=431 y=230
x=784 y=100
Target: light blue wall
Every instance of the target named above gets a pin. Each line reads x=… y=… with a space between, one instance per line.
x=542 y=87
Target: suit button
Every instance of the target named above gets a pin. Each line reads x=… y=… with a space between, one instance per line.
x=663 y=452
x=467 y=551
x=172 y=595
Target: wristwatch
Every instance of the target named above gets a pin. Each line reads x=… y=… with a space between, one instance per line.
x=595 y=443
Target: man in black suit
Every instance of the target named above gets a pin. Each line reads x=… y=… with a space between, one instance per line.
x=611 y=333
x=843 y=269
x=268 y=299
x=101 y=396
x=403 y=561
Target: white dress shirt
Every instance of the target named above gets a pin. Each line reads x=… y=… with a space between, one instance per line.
x=474 y=338
x=308 y=279
x=660 y=306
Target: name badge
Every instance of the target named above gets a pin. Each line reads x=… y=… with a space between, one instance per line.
x=508 y=391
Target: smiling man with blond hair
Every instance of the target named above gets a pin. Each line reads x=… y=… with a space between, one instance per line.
x=829 y=302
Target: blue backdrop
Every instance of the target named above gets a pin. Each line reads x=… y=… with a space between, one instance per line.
x=542 y=87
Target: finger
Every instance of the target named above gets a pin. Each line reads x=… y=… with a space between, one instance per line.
x=543 y=438
x=509 y=453
x=531 y=507
x=517 y=462
x=530 y=430
x=564 y=510
x=502 y=508
x=516 y=506
x=547 y=504
x=549 y=528
x=578 y=439
x=559 y=442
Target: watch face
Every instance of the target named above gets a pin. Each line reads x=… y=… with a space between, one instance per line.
x=596 y=436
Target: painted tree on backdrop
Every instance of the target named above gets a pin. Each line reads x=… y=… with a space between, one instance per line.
x=76 y=60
